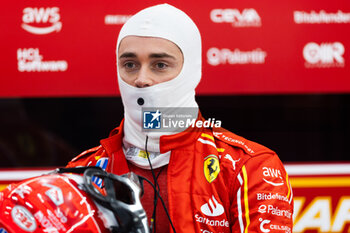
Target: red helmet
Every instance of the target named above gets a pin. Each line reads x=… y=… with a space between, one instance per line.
x=66 y=202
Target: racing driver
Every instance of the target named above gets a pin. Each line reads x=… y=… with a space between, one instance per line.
x=208 y=179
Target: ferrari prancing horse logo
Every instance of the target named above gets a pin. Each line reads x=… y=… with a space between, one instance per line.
x=211 y=167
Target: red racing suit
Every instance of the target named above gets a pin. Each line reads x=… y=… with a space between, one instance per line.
x=217 y=181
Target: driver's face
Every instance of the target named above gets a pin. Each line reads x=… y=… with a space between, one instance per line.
x=146 y=61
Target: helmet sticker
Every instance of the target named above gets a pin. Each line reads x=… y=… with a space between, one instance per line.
x=55 y=194
x=23 y=218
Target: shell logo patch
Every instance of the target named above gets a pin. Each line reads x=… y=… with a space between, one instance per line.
x=211 y=167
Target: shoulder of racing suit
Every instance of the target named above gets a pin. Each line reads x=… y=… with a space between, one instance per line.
x=241 y=152
x=233 y=152
x=89 y=157
x=249 y=147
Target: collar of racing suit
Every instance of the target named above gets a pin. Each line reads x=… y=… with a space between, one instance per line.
x=166 y=142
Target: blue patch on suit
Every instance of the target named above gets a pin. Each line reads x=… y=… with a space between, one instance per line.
x=102 y=163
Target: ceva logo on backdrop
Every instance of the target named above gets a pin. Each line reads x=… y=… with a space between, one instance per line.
x=324 y=55
x=41 y=20
x=246 y=18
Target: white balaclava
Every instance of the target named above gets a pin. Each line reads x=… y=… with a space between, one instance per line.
x=167 y=22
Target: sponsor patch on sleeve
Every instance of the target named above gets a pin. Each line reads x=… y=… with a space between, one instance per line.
x=102 y=163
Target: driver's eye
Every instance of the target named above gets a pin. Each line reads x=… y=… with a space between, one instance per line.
x=129 y=65
x=161 y=65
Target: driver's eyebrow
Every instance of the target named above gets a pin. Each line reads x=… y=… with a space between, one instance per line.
x=128 y=55
x=161 y=55
x=152 y=55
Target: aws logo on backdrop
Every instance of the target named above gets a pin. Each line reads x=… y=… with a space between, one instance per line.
x=41 y=21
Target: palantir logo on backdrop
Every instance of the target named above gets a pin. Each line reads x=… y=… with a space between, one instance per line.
x=41 y=20
x=216 y=56
x=174 y=120
x=302 y=17
x=324 y=55
x=30 y=60
x=247 y=18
